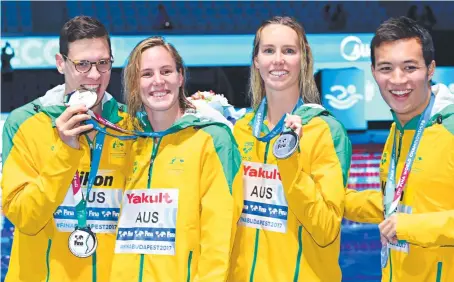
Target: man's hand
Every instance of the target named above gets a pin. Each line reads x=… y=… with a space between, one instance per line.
x=69 y=125
x=388 y=230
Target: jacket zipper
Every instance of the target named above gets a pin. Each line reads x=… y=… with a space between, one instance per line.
x=93 y=258
x=189 y=266
x=439 y=271
x=257 y=231
x=154 y=152
x=401 y=134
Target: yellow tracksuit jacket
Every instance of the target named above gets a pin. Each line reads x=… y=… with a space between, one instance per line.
x=426 y=217
x=290 y=226
x=37 y=172
x=193 y=180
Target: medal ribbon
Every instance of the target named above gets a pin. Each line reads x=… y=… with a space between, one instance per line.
x=393 y=193
x=81 y=202
x=97 y=119
x=260 y=116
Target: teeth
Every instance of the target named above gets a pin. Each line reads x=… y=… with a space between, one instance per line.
x=159 y=94
x=91 y=86
x=279 y=73
x=400 y=92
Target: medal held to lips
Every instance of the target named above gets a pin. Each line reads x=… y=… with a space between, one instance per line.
x=82 y=242
x=285 y=145
x=82 y=97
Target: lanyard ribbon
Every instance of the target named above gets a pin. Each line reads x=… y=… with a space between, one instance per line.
x=393 y=193
x=81 y=202
x=260 y=116
x=97 y=119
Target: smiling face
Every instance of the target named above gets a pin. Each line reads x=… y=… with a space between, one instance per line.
x=92 y=50
x=403 y=77
x=160 y=81
x=278 y=59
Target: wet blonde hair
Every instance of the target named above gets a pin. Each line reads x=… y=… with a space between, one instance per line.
x=131 y=76
x=307 y=86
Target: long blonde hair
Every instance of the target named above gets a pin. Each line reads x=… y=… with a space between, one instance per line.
x=131 y=76
x=307 y=86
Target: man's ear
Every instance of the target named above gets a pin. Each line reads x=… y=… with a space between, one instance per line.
x=372 y=69
x=431 y=71
x=60 y=62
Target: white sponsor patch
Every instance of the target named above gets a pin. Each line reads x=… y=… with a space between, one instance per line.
x=265 y=206
x=147 y=222
x=103 y=210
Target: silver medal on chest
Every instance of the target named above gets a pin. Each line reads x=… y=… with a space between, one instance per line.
x=82 y=242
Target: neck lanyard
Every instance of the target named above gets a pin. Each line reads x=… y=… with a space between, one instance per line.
x=260 y=116
x=97 y=119
x=81 y=203
x=393 y=193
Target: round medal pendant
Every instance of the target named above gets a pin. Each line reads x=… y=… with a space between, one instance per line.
x=285 y=145
x=384 y=256
x=84 y=97
x=82 y=242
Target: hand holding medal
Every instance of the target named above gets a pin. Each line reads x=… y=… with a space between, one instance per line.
x=82 y=96
x=294 y=123
x=70 y=123
x=288 y=141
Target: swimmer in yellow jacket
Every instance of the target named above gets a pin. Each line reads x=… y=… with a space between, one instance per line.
x=417 y=168
x=39 y=166
x=183 y=196
x=290 y=225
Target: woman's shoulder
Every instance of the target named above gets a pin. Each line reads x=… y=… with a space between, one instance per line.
x=316 y=118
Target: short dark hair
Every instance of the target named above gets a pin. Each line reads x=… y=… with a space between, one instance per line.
x=82 y=27
x=399 y=28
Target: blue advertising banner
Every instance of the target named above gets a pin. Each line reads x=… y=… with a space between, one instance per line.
x=197 y=50
x=329 y=51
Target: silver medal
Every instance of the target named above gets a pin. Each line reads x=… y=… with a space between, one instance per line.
x=84 y=97
x=384 y=256
x=285 y=145
x=82 y=242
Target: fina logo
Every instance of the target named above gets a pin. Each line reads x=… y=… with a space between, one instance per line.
x=346 y=99
x=358 y=51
